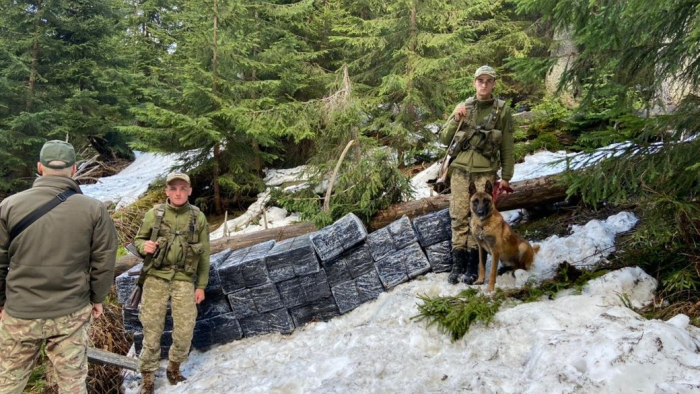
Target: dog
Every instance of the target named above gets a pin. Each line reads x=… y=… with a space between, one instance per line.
x=493 y=235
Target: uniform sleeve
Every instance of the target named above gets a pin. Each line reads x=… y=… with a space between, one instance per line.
x=507 y=145
x=204 y=265
x=144 y=233
x=448 y=130
x=4 y=257
x=103 y=255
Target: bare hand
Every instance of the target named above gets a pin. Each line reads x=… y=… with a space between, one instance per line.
x=460 y=111
x=1 y=311
x=504 y=184
x=149 y=247
x=198 y=296
x=97 y=310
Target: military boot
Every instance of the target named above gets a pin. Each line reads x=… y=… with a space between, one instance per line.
x=173 y=373
x=472 y=266
x=459 y=259
x=148 y=382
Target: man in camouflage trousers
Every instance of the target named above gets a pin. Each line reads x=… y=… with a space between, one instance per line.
x=54 y=275
x=180 y=252
x=482 y=145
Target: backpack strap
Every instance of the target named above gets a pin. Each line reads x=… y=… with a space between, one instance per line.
x=160 y=212
x=41 y=211
x=498 y=105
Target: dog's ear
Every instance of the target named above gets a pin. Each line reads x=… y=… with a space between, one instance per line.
x=472 y=189
x=488 y=188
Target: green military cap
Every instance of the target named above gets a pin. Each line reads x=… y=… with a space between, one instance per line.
x=56 y=150
x=485 y=70
x=177 y=175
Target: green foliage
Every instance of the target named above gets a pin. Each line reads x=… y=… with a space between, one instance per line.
x=550 y=114
x=544 y=141
x=62 y=76
x=455 y=315
x=363 y=187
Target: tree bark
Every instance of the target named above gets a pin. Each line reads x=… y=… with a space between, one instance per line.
x=527 y=194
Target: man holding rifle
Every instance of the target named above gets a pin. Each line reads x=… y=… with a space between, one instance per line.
x=176 y=236
x=480 y=137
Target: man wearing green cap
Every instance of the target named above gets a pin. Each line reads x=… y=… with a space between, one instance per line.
x=180 y=252
x=480 y=137
x=55 y=272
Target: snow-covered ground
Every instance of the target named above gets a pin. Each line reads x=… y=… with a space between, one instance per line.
x=577 y=343
x=585 y=343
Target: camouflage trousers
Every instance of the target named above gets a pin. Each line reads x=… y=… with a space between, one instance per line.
x=66 y=346
x=154 y=305
x=459 y=205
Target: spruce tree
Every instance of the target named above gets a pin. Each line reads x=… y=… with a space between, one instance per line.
x=62 y=78
x=414 y=60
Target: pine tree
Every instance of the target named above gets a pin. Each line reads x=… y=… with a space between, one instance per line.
x=414 y=59
x=62 y=79
x=238 y=82
x=628 y=51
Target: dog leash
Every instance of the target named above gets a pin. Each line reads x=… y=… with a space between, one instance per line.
x=498 y=190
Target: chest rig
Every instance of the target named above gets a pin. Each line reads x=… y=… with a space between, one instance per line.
x=184 y=240
x=483 y=138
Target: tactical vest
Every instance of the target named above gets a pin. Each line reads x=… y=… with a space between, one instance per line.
x=484 y=138
x=188 y=240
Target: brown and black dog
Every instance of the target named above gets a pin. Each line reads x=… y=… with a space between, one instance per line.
x=494 y=235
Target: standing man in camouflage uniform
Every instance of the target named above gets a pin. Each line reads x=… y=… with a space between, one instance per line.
x=54 y=275
x=482 y=145
x=180 y=253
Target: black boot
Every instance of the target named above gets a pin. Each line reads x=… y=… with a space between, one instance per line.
x=459 y=259
x=472 y=266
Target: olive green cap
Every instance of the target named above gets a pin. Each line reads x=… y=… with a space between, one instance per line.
x=177 y=175
x=485 y=70
x=56 y=150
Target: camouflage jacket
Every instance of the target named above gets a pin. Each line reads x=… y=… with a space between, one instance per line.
x=182 y=254
x=473 y=161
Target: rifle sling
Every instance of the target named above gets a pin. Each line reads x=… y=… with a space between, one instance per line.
x=160 y=212
x=41 y=211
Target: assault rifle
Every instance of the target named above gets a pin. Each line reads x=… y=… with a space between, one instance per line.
x=441 y=181
x=135 y=296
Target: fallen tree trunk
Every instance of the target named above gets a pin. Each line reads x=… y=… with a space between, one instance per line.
x=527 y=194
